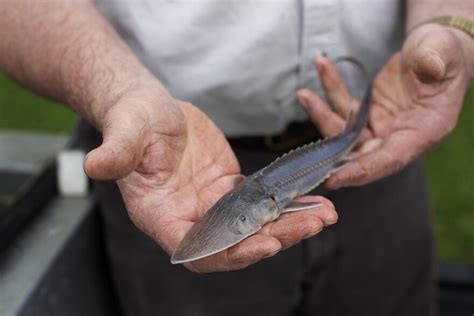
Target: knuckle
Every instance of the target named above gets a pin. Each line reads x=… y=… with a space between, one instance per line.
x=364 y=172
x=236 y=263
x=313 y=225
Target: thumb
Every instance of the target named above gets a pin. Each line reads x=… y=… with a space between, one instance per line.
x=429 y=51
x=122 y=148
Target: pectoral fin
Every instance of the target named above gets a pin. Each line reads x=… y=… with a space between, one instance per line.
x=299 y=206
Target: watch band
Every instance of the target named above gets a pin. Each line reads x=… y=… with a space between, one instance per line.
x=458 y=22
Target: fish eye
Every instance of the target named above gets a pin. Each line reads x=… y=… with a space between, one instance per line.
x=242 y=218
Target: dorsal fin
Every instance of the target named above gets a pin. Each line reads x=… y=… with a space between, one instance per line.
x=294 y=149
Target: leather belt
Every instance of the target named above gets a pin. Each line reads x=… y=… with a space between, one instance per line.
x=295 y=135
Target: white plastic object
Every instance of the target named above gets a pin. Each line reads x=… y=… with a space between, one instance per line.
x=71 y=178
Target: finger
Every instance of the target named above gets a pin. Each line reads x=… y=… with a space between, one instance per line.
x=431 y=51
x=291 y=228
x=365 y=135
x=121 y=149
x=253 y=249
x=328 y=122
x=370 y=145
x=245 y=253
x=428 y=65
x=288 y=230
x=334 y=87
x=327 y=213
x=364 y=147
x=391 y=156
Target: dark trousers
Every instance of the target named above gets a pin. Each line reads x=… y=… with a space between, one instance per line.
x=377 y=260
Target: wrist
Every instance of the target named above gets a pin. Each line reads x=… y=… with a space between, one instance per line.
x=136 y=89
x=466 y=43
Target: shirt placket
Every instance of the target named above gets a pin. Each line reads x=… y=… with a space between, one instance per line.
x=319 y=34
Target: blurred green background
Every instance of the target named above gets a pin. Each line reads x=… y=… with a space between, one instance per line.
x=449 y=167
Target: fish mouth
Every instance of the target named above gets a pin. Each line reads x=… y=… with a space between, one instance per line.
x=204 y=240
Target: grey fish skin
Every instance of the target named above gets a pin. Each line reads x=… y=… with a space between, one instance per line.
x=269 y=192
x=238 y=214
x=301 y=170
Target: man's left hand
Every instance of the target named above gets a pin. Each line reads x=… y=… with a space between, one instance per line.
x=416 y=101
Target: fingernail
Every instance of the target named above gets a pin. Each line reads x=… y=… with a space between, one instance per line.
x=321 y=68
x=312 y=234
x=271 y=254
x=331 y=222
x=304 y=103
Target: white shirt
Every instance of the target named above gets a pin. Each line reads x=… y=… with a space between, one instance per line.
x=241 y=61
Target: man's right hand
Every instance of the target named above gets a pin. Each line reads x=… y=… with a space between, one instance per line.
x=173 y=164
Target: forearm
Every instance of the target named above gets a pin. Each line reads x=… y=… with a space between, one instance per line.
x=420 y=11
x=67 y=51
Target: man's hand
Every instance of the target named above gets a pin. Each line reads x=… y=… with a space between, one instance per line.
x=173 y=164
x=172 y=161
x=416 y=101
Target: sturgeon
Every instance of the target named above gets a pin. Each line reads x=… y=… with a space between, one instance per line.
x=270 y=192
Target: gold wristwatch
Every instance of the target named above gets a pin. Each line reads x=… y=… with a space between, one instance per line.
x=458 y=22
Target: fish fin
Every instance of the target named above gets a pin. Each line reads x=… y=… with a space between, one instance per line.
x=292 y=150
x=350 y=121
x=299 y=206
